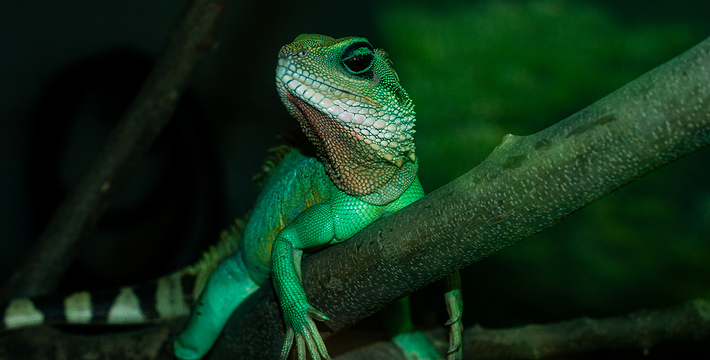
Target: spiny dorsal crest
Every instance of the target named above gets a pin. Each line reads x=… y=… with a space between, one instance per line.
x=276 y=154
x=227 y=246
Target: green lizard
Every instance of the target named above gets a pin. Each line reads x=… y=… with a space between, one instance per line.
x=350 y=105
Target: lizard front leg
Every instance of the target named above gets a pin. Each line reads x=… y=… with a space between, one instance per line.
x=314 y=226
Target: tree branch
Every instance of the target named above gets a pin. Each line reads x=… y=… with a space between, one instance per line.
x=526 y=185
x=640 y=330
x=192 y=38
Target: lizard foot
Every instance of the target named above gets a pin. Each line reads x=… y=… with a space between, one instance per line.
x=416 y=346
x=300 y=325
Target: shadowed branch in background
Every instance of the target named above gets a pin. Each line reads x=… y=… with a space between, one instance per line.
x=640 y=331
x=192 y=38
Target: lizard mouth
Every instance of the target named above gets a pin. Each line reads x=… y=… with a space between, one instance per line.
x=387 y=130
x=306 y=114
x=297 y=104
x=320 y=128
x=346 y=106
x=366 y=149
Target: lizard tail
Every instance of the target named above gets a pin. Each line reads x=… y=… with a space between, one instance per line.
x=163 y=299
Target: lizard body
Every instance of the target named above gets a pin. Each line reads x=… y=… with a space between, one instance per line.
x=349 y=103
x=351 y=106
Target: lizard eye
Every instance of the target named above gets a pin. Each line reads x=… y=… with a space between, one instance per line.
x=358 y=64
x=357 y=58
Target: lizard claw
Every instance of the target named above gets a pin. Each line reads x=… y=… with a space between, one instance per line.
x=454 y=306
x=455 y=351
x=300 y=326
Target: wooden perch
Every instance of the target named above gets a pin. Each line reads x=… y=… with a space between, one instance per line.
x=526 y=185
x=640 y=330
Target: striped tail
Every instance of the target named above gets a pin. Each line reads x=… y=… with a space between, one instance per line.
x=166 y=298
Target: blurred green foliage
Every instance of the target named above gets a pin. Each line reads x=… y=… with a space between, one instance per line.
x=477 y=71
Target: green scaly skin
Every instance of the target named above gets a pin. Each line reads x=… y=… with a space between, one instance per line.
x=349 y=103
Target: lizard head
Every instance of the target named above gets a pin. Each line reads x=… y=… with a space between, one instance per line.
x=351 y=106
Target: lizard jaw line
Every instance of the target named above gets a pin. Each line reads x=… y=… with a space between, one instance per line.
x=387 y=130
x=299 y=82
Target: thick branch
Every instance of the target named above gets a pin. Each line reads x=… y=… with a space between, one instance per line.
x=641 y=330
x=192 y=38
x=525 y=186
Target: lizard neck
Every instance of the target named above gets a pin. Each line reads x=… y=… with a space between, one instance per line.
x=353 y=166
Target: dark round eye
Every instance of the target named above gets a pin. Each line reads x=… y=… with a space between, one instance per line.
x=358 y=64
